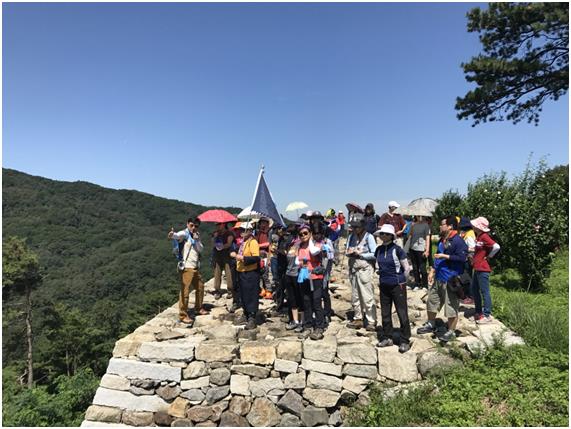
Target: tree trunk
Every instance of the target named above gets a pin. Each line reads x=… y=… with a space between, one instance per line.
x=29 y=335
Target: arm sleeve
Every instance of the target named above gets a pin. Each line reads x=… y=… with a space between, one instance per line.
x=198 y=245
x=179 y=235
x=372 y=245
x=459 y=251
x=495 y=249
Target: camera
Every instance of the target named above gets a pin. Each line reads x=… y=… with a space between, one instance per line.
x=180 y=266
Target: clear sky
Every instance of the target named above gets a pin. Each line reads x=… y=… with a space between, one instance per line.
x=340 y=102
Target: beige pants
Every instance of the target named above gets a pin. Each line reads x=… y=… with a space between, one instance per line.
x=219 y=265
x=190 y=279
x=363 y=295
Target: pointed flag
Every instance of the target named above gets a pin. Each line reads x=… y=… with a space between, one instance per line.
x=263 y=202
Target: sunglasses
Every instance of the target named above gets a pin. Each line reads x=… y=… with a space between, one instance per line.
x=303 y=234
x=190 y=225
x=385 y=233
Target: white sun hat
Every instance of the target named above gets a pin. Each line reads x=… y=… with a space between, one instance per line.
x=394 y=204
x=388 y=228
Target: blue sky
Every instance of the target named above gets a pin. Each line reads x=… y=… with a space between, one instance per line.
x=340 y=102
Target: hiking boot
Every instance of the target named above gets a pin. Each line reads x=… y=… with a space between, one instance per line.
x=291 y=326
x=468 y=301
x=316 y=334
x=240 y=320
x=299 y=328
x=447 y=336
x=371 y=328
x=483 y=320
x=427 y=328
x=386 y=342
x=355 y=324
x=404 y=347
x=251 y=324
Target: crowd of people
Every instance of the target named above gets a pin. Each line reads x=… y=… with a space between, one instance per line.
x=292 y=265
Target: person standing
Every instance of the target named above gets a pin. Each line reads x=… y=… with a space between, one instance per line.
x=485 y=249
x=263 y=236
x=419 y=250
x=247 y=263
x=360 y=250
x=469 y=237
x=394 y=219
x=393 y=269
x=341 y=222
x=371 y=218
x=190 y=276
x=448 y=264
x=310 y=277
x=291 y=286
x=223 y=239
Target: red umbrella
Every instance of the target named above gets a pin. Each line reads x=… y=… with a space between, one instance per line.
x=352 y=207
x=217 y=216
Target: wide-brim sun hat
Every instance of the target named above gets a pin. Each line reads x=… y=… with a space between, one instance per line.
x=394 y=204
x=481 y=223
x=386 y=228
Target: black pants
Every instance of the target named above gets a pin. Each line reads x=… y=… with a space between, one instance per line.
x=280 y=287
x=312 y=304
x=419 y=268
x=394 y=294
x=466 y=280
x=326 y=296
x=249 y=292
x=236 y=282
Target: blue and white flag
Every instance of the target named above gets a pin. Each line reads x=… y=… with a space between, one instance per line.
x=263 y=202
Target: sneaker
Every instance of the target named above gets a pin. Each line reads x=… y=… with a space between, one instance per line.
x=262 y=293
x=299 y=328
x=251 y=324
x=387 y=342
x=447 y=336
x=468 y=301
x=355 y=324
x=217 y=295
x=404 y=347
x=233 y=308
x=483 y=320
x=291 y=326
x=476 y=317
x=268 y=295
x=317 y=334
x=427 y=328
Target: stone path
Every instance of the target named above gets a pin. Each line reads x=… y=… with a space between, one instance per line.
x=218 y=374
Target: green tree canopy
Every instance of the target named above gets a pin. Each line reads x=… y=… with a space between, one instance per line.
x=525 y=61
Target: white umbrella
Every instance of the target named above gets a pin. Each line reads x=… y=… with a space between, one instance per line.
x=296 y=205
x=248 y=214
x=419 y=207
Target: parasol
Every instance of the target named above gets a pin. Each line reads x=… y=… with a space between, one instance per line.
x=217 y=216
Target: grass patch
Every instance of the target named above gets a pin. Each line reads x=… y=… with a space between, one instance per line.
x=541 y=319
x=518 y=386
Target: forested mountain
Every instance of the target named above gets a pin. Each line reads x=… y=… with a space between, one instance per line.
x=106 y=267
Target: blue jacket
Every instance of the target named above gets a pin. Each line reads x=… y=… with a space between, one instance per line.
x=390 y=268
x=447 y=268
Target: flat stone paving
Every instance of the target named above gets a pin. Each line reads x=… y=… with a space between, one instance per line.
x=217 y=374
